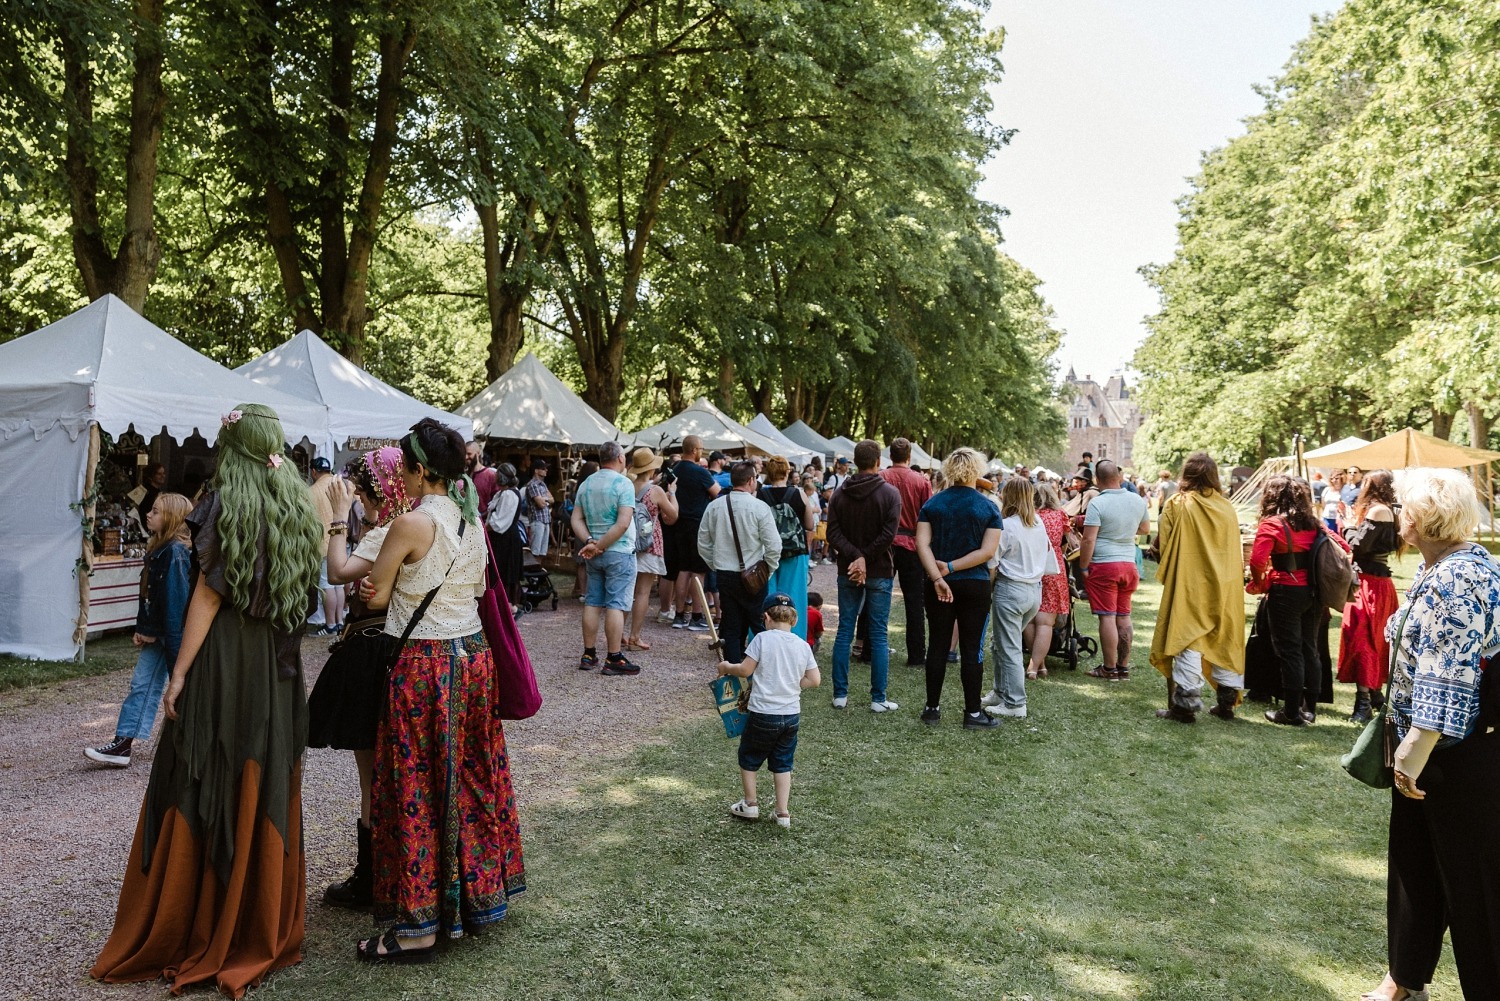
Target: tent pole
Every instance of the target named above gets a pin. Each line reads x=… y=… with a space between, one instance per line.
x=86 y=563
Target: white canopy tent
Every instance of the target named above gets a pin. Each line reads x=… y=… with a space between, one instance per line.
x=799 y=432
x=798 y=454
x=359 y=405
x=1329 y=451
x=528 y=404
x=716 y=429
x=843 y=447
x=919 y=458
x=103 y=367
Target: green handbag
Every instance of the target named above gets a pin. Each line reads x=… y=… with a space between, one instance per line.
x=1372 y=758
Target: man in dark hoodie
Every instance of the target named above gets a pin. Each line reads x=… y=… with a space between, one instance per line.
x=862 y=520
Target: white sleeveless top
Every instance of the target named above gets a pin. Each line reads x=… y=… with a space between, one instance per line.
x=453 y=612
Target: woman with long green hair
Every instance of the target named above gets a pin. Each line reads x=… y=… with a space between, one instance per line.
x=215 y=889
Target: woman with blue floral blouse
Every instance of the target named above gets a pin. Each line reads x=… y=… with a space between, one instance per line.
x=1445 y=810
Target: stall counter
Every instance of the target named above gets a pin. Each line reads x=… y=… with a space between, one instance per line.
x=114 y=593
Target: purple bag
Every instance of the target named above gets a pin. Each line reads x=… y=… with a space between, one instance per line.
x=515 y=695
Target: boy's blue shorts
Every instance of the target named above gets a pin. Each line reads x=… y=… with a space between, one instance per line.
x=768 y=737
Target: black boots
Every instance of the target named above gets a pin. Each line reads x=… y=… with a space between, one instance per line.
x=1182 y=704
x=1225 y=707
x=1363 y=712
x=357 y=891
x=1290 y=713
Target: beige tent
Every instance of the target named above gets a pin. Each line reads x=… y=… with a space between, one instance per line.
x=1405 y=449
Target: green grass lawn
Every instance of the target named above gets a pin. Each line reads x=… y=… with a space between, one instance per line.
x=1090 y=851
x=113 y=653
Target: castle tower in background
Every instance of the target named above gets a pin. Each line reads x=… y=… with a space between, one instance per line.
x=1102 y=420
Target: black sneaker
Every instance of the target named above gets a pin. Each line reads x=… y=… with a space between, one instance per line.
x=116 y=753
x=980 y=721
x=615 y=665
x=682 y=622
x=698 y=625
x=932 y=716
x=588 y=662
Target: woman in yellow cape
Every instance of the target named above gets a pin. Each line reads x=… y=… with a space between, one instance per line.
x=1200 y=629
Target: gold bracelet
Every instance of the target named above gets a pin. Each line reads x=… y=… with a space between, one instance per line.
x=337 y=529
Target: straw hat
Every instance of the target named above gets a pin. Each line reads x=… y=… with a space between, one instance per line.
x=643 y=460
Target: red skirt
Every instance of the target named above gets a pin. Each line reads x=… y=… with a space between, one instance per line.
x=1054 y=594
x=1364 y=655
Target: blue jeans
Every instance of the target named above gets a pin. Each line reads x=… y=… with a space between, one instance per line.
x=138 y=713
x=1013 y=604
x=876 y=594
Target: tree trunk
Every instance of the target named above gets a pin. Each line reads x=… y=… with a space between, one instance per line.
x=333 y=180
x=1442 y=423
x=140 y=253
x=1479 y=425
x=725 y=401
x=505 y=302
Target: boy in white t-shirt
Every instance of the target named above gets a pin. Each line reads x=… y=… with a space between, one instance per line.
x=781 y=665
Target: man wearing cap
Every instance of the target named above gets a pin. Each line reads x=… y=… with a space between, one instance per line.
x=863 y=516
x=333 y=594
x=915 y=490
x=695 y=489
x=539 y=506
x=730 y=547
x=716 y=469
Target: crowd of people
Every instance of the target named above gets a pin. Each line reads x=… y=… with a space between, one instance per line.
x=214 y=885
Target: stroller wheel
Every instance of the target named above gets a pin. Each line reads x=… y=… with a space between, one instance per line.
x=1088 y=645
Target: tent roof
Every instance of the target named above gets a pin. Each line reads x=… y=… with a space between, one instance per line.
x=1342 y=445
x=919 y=458
x=108 y=364
x=799 y=432
x=790 y=449
x=529 y=403
x=1407 y=448
x=843 y=446
x=359 y=405
x=713 y=426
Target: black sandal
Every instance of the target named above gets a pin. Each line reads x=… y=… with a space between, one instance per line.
x=369 y=950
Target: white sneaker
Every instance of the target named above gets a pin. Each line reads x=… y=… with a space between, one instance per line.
x=667 y=618
x=1018 y=712
x=782 y=821
x=883 y=707
x=841 y=702
x=992 y=699
x=745 y=811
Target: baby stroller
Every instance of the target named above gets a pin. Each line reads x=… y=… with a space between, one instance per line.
x=536 y=584
x=1067 y=642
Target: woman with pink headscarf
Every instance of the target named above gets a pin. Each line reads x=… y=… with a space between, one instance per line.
x=344 y=708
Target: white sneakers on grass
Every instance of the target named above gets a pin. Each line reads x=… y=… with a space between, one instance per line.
x=751 y=811
x=992 y=699
x=883 y=707
x=841 y=702
x=1018 y=712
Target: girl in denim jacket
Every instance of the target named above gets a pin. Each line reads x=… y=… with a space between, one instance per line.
x=165 y=589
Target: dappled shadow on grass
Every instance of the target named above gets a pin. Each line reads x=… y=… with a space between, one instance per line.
x=1089 y=851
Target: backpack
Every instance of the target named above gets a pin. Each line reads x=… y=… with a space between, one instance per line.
x=645 y=525
x=793 y=533
x=1330 y=570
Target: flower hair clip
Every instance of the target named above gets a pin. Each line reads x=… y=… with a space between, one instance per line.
x=274 y=461
x=233 y=417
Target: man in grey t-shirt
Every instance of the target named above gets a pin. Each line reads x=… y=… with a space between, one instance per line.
x=1107 y=561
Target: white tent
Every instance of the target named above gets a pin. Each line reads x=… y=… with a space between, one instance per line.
x=791 y=450
x=716 y=429
x=104 y=366
x=843 y=447
x=359 y=405
x=919 y=458
x=530 y=404
x=799 y=432
x=1342 y=445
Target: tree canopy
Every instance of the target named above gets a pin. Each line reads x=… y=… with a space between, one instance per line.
x=768 y=201
x=1338 y=265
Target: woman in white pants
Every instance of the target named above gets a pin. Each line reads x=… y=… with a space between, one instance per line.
x=1017 y=596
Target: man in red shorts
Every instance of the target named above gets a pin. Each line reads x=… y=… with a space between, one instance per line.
x=1107 y=562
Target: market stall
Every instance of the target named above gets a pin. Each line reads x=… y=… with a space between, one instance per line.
x=802 y=434
x=361 y=408
x=798 y=455
x=716 y=429
x=78 y=400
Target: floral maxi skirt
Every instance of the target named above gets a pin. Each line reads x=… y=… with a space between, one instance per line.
x=447 y=842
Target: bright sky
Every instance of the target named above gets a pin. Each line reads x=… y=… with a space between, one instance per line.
x=1114 y=102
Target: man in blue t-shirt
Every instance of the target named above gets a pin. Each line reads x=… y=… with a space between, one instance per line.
x=1107 y=561
x=1350 y=492
x=604 y=521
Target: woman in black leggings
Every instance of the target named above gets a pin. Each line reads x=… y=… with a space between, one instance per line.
x=958 y=530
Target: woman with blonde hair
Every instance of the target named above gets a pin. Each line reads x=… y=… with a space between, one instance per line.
x=1017 y=595
x=158 y=626
x=958 y=530
x=215 y=890
x=1364 y=656
x=1444 y=873
x=1200 y=627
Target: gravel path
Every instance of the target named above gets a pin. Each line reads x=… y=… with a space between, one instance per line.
x=66 y=824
